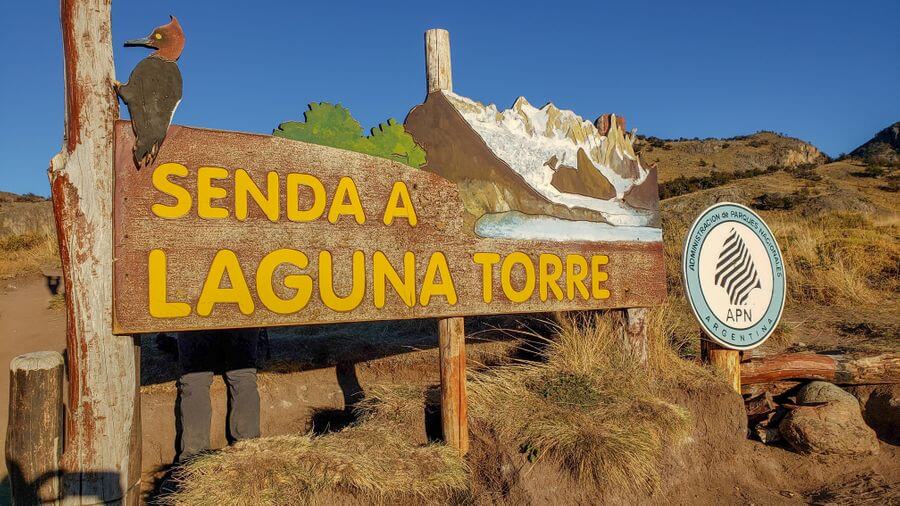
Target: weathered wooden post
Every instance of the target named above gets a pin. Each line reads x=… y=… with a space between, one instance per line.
x=727 y=362
x=101 y=459
x=451 y=331
x=34 y=433
x=636 y=332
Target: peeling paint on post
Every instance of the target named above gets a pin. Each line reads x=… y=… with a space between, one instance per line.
x=101 y=460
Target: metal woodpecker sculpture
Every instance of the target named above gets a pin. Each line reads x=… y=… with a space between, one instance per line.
x=153 y=90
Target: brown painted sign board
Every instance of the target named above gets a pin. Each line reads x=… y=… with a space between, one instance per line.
x=229 y=229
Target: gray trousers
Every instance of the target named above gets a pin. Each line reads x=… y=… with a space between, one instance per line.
x=200 y=355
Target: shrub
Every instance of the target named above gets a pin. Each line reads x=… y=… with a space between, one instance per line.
x=805 y=171
x=779 y=201
x=332 y=125
x=872 y=171
x=683 y=185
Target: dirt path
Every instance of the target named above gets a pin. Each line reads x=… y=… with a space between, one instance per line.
x=27 y=323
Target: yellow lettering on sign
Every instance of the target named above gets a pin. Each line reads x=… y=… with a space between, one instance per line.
x=326 y=282
x=346 y=202
x=487 y=262
x=437 y=265
x=206 y=193
x=292 y=191
x=598 y=276
x=160 y=307
x=225 y=263
x=400 y=205
x=244 y=188
x=302 y=283
x=383 y=271
x=549 y=280
x=506 y=268
x=576 y=278
x=162 y=183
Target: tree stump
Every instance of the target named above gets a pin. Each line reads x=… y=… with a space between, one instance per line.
x=34 y=433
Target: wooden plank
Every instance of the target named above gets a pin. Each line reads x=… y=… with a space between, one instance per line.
x=839 y=369
x=727 y=362
x=34 y=432
x=102 y=425
x=635 y=270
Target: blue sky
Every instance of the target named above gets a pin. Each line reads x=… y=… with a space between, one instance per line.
x=824 y=71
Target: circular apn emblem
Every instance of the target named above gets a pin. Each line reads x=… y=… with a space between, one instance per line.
x=734 y=276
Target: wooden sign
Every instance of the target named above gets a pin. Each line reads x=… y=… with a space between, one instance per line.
x=229 y=229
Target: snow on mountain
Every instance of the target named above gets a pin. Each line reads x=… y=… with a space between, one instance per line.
x=535 y=143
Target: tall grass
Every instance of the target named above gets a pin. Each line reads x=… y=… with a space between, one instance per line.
x=26 y=248
x=840 y=259
x=587 y=404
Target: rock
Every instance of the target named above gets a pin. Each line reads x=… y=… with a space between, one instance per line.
x=817 y=392
x=828 y=421
x=767 y=435
x=881 y=409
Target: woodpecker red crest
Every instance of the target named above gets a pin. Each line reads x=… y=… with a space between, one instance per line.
x=153 y=90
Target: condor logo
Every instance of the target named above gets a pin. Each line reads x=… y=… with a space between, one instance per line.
x=734 y=276
x=736 y=272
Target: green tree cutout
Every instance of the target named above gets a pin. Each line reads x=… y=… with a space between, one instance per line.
x=332 y=125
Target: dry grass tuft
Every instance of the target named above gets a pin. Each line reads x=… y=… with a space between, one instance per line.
x=587 y=405
x=840 y=259
x=26 y=250
x=374 y=458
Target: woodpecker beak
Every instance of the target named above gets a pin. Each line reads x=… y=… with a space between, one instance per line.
x=146 y=42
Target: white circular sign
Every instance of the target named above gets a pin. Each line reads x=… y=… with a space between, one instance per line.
x=734 y=276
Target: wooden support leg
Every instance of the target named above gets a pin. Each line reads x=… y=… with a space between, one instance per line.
x=636 y=332
x=454 y=418
x=727 y=362
x=34 y=433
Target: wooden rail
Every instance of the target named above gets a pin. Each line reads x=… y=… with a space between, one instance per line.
x=839 y=369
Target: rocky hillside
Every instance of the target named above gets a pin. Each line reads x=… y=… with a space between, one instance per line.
x=883 y=149
x=7 y=197
x=696 y=157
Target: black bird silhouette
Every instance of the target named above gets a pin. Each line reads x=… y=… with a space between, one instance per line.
x=153 y=90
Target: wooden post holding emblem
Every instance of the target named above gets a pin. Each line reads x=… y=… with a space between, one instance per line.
x=735 y=283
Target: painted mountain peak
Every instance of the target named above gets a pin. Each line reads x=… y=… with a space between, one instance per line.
x=528 y=161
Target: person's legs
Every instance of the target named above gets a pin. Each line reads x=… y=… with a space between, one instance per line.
x=193 y=411
x=243 y=404
x=240 y=377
